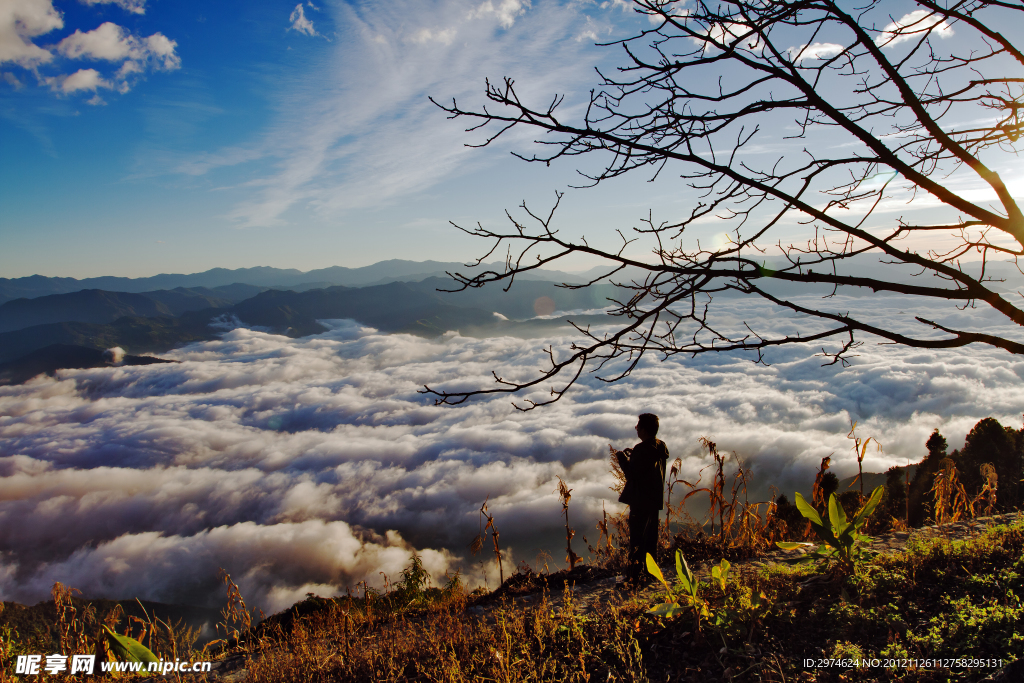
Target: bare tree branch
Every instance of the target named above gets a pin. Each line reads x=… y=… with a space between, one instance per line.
x=704 y=94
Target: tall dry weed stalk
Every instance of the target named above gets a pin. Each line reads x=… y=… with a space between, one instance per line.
x=951 y=502
x=673 y=479
x=478 y=543
x=860 y=448
x=741 y=524
x=565 y=494
x=716 y=491
x=987 y=495
x=71 y=627
x=237 y=618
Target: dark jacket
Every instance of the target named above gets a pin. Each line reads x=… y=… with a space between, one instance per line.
x=645 y=475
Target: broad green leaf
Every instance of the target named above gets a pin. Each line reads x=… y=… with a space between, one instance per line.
x=686 y=579
x=666 y=609
x=686 y=567
x=807 y=511
x=792 y=545
x=655 y=571
x=861 y=517
x=721 y=572
x=837 y=516
x=128 y=649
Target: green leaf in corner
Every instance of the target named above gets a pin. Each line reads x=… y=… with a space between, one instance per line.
x=128 y=649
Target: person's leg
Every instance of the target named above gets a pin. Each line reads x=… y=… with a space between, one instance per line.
x=649 y=541
x=637 y=523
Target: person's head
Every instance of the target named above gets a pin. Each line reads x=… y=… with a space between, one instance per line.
x=647 y=426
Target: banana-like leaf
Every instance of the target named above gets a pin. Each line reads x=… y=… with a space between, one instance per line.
x=823 y=531
x=128 y=649
x=807 y=511
x=721 y=572
x=792 y=545
x=667 y=609
x=862 y=515
x=685 y=575
x=837 y=516
x=655 y=571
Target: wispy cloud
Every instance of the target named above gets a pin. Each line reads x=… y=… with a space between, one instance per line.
x=300 y=23
x=133 y=6
x=913 y=26
x=368 y=133
x=814 y=51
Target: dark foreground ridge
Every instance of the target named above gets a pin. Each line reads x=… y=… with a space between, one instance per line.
x=64 y=356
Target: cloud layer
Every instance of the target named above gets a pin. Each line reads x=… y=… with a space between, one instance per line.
x=312 y=464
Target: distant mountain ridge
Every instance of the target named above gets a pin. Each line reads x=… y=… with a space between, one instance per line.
x=35 y=286
x=159 y=321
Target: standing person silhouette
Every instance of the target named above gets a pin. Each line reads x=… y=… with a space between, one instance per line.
x=644 y=467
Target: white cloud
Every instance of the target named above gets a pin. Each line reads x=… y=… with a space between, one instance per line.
x=256 y=441
x=12 y=80
x=21 y=20
x=728 y=34
x=264 y=560
x=133 y=6
x=160 y=50
x=300 y=23
x=83 y=79
x=814 y=51
x=672 y=9
x=113 y=43
x=505 y=10
x=426 y=35
x=624 y=5
x=108 y=41
x=913 y=26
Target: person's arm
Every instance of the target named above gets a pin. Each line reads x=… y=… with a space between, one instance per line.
x=623 y=458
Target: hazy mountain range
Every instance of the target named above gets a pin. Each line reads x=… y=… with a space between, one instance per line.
x=289 y=278
x=154 y=314
x=50 y=331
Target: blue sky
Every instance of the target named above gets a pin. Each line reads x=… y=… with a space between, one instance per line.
x=147 y=136
x=270 y=133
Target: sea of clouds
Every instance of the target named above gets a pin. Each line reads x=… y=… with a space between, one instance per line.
x=309 y=465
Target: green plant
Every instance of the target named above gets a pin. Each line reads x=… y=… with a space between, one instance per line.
x=689 y=593
x=126 y=649
x=841 y=540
